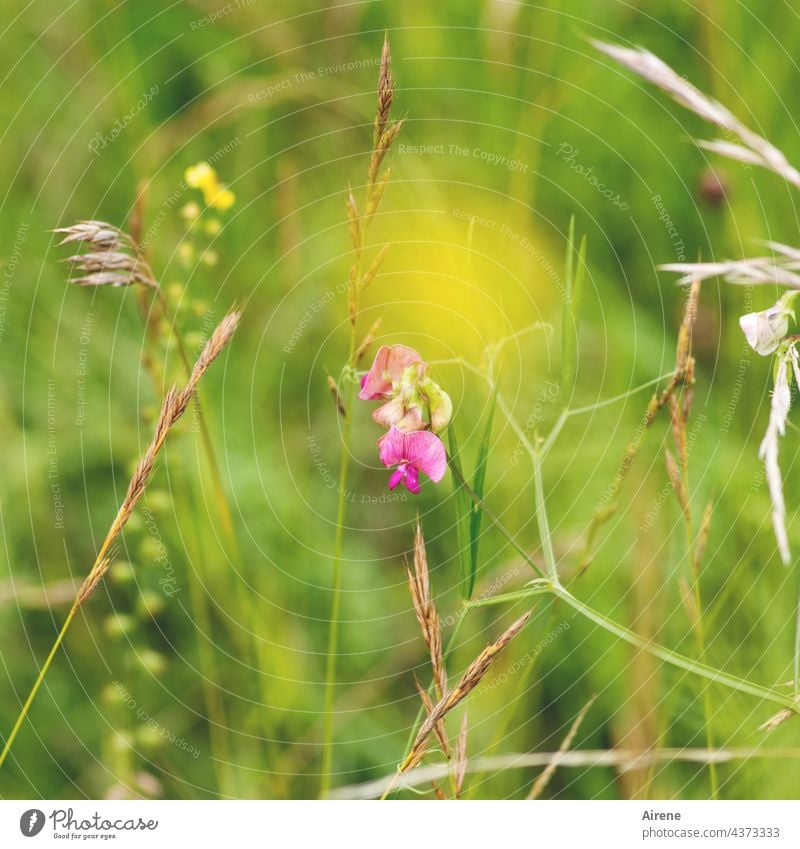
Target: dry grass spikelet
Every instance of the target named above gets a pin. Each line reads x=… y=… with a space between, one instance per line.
x=425 y=610
x=173 y=407
x=367 y=341
x=469 y=680
x=460 y=768
x=112 y=257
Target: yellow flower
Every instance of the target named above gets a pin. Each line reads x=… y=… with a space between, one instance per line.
x=201 y=176
x=221 y=198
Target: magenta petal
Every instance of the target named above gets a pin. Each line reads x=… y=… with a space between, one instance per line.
x=397 y=476
x=392 y=447
x=412 y=480
x=425 y=451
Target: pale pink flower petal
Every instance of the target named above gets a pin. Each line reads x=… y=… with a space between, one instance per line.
x=388 y=367
x=390 y=413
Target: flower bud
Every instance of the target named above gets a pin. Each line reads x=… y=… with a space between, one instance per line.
x=440 y=406
x=765 y=330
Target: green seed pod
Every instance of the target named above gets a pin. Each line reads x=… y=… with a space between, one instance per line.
x=149 y=737
x=118 y=625
x=149 y=604
x=154 y=662
x=121 y=573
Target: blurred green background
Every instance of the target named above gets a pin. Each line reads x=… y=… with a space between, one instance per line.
x=216 y=688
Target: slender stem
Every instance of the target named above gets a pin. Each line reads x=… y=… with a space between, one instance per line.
x=797 y=650
x=336 y=583
x=554 y=432
x=215 y=706
x=445 y=655
x=505 y=719
x=665 y=654
x=701 y=651
x=674 y=658
x=109 y=538
x=336 y=589
x=494 y=520
x=208 y=445
x=37 y=683
x=541 y=519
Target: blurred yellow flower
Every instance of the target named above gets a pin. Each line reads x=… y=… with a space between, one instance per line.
x=190 y=211
x=221 y=199
x=202 y=176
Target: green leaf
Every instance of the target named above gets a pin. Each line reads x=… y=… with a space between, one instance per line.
x=463 y=509
x=478 y=482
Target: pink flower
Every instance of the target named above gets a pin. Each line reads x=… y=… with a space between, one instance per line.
x=412 y=453
x=413 y=401
x=381 y=382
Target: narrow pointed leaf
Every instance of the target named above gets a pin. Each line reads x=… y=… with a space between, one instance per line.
x=478 y=483
x=463 y=502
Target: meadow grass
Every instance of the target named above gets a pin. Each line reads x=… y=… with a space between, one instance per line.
x=290 y=661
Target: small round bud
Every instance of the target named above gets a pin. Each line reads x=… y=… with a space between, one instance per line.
x=149 y=604
x=121 y=573
x=149 y=737
x=210 y=258
x=119 y=625
x=154 y=662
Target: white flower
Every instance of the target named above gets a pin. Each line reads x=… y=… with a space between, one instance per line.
x=765 y=330
x=768 y=452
